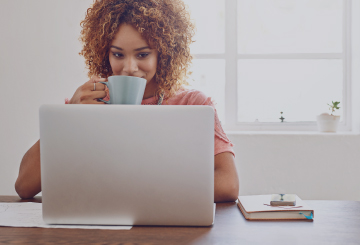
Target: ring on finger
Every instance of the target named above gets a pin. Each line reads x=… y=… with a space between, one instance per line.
x=94 y=86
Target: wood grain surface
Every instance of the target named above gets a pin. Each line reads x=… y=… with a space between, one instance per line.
x=335 y=222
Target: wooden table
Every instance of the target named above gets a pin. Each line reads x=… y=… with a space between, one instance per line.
x=335 y=222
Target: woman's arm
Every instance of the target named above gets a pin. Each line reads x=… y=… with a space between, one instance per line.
x=226 y=181
x=28 y=183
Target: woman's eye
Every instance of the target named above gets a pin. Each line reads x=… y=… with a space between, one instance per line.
x=117 y=55
x=143 y=55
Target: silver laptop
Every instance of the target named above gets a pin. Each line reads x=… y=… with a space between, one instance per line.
x=127 y=164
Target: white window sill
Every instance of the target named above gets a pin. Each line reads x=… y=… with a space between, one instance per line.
x=342 y=133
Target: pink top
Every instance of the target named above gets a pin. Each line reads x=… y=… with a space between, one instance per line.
x=195 y=97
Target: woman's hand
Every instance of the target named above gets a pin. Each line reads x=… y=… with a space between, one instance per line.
x=85 y=94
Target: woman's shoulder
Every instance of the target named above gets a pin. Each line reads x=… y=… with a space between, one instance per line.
x=187 y=96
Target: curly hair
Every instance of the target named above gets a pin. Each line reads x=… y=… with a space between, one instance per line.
x=164 y=24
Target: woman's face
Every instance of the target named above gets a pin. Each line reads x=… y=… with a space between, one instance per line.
x=131 y=55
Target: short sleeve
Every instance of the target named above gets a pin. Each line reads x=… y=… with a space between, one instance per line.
x=222 y=142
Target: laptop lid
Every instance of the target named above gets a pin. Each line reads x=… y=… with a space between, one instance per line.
x=127 y=164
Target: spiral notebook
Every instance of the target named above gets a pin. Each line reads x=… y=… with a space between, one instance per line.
x=257 y=207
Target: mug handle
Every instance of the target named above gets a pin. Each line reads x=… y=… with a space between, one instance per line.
x=106 y=102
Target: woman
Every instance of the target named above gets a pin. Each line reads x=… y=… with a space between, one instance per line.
x=148 y=39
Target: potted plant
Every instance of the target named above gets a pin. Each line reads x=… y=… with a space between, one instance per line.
x=328 y=122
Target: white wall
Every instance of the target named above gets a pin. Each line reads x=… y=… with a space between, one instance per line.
x=39 y=63
x=314 y=166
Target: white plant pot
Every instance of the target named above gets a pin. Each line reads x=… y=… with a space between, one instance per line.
x=327 y=123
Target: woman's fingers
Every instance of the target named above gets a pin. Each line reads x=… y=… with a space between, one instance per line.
x=94 y=84
x=94 y=102
x=96 y=79
x=97 y=87
x=99 y=94
x=89 y=92
x=93 y=98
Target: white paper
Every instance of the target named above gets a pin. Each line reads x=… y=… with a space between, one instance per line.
x=29 y=214
x=261 y=203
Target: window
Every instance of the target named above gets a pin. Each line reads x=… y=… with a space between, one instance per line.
x=259 y=58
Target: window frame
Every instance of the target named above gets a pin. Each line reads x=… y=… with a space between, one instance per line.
x=231 y=58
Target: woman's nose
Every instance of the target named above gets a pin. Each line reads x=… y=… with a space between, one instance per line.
x=130 y=66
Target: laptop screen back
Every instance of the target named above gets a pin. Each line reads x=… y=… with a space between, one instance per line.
x=127 y=164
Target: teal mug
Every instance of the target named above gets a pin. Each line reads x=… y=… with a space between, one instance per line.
x=125 y=90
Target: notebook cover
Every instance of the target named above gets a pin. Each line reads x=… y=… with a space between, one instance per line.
x=261 y=204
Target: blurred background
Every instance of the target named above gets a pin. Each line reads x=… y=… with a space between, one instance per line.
x=254 y=58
